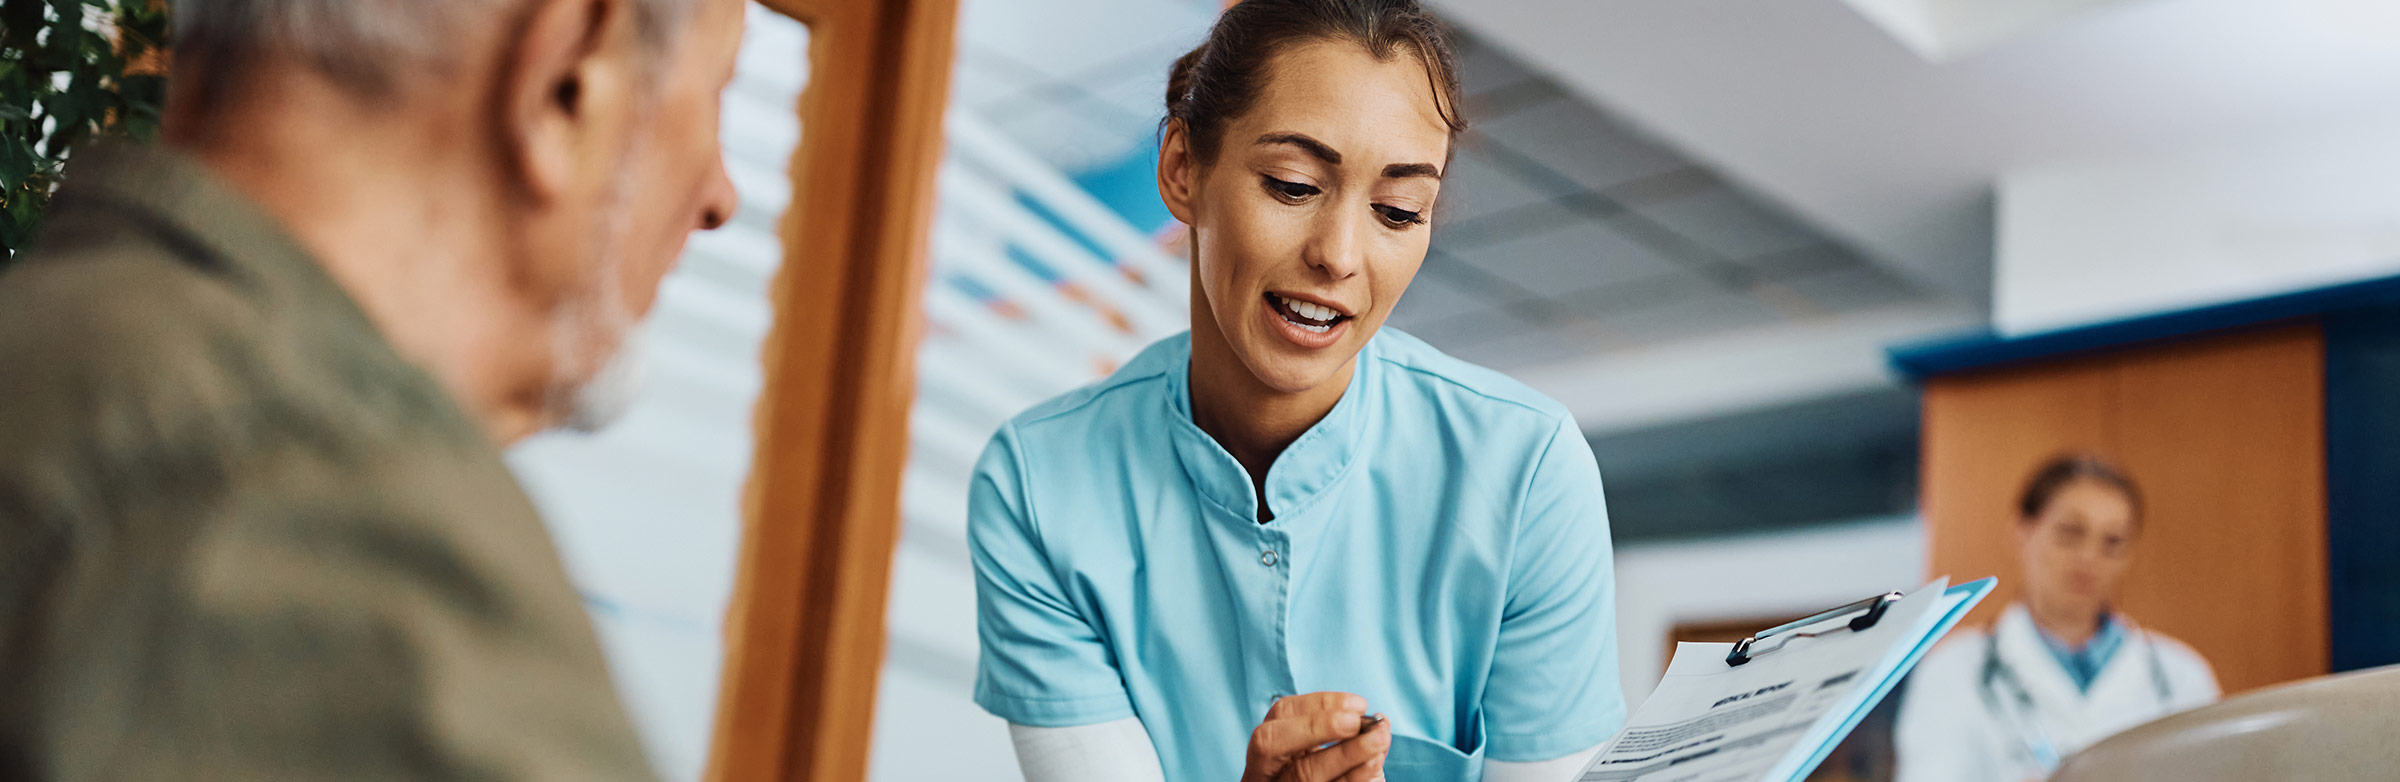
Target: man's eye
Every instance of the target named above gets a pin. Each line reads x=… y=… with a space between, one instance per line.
x=1293 y=192
x=1398 y=217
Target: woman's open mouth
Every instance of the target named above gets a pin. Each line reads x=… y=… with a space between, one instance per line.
x=1306 y=324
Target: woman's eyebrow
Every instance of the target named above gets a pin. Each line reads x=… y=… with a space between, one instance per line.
x=1312 y=146
x=1318 y=150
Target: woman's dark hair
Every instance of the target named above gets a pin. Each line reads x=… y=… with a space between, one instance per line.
x=1215 y=83
x=2064 y=470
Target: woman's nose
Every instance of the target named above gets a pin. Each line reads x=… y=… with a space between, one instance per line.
x=1336 y=246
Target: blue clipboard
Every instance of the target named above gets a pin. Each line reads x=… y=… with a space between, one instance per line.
x=1967 y=594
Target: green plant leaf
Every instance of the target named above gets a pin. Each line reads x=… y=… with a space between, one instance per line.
x=86 y=45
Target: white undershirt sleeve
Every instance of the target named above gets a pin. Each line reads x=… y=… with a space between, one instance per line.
x=1559 y=770
x=1118 y=751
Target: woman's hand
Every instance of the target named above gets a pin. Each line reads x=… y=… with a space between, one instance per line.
x=1290 y=745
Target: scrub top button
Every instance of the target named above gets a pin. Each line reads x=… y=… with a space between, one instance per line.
x=1267 y=559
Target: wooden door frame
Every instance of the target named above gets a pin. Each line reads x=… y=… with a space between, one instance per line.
x=805 y=630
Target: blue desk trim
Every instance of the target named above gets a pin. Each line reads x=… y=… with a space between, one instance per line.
x=1984 y=348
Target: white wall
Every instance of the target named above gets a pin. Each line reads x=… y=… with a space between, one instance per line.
x=1661 y=585
x=2140 y=233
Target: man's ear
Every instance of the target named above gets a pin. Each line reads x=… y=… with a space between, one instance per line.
x=1178 y=171
x=562 y=82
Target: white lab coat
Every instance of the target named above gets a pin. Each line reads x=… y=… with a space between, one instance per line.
x=1964 y=719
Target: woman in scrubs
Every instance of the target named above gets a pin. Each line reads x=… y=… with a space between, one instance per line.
x=2063 y=668
x=1294 y=544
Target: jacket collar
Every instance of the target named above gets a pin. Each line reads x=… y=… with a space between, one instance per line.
x=2021 y=648
x=210 y=223
x=1305 y=470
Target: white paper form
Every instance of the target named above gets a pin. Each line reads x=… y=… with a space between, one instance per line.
x=1771 y=718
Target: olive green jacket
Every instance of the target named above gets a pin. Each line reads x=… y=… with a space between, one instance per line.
x=241 y=538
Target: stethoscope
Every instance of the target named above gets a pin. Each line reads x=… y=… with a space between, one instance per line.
x=2034 y=742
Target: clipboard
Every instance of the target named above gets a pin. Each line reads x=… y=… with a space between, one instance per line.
x=1773 y=706
x=1869 y=612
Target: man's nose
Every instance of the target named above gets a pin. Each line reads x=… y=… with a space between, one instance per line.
x=718 y=199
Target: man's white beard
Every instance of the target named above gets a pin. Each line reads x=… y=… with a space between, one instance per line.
x=606 y=398
x=591 y=387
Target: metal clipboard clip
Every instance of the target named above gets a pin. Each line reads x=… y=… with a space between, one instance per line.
x=1873 y=606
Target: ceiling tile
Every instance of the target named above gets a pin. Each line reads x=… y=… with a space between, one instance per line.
x=1709 y=314
x=1433 y=299
x=1579 y=143
x=1730 y=224
x=1522 y=350
x=1579 y=256
x=1474 y=326
x=1855 y=288
x=1665 y=290
x=1824 y=258
x=1483 y=68
x=1498 y=340
x=1475 y=187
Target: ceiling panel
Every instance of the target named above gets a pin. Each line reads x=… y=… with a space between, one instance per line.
x=1726 y=222
x=1497 y=337
x=1474 y=186
x=1483 y=69
x=1576 y=141
x=1665 y=290
x=1802 y=261
x=1856 y=288
x=1699 y=316
x=1576 y=257
x=1433 y=299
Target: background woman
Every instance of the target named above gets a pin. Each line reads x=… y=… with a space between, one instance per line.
x=1293 y=544
x=2062 y=668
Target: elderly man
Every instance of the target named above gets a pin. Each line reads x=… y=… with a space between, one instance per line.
x=253 y=386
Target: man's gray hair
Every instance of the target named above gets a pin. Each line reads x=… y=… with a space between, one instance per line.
x=365 y=45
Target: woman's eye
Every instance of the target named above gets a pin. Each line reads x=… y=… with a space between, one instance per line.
x=1292 y=192
x=1398 y=217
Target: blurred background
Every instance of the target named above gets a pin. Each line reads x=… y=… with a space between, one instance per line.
x=1820 y=279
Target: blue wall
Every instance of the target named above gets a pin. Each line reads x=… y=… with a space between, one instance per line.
x=2362 y=474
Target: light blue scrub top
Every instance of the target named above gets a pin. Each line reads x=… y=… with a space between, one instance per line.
x=1440 y=546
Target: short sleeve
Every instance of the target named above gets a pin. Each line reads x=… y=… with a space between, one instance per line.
x=1553 y=689
x=1042 y=663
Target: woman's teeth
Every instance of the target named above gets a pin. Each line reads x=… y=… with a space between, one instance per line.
x=1314 y=318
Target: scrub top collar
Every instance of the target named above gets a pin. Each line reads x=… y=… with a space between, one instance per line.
x=1303 y=472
